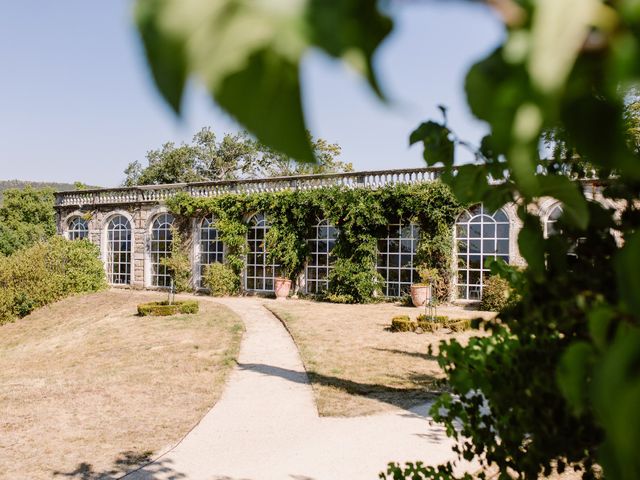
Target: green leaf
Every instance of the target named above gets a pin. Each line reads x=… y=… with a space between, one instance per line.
x=265 y=97
x=574 y=204
x=531 y=244
x=351 y=30
x=628 y=274
x=573 y=374
x=438 y=146
x=248 y=55
x=166 y=54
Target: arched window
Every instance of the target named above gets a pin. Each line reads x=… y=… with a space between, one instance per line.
x=119 y=251
x=78 y=228
x=161 y=241
x=396 y=255
x=211 y=247
x=321 y=261
x=550 y=227
x=480 y=234
x=260 y=273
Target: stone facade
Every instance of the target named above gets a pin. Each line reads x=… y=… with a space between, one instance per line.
x=141 y=205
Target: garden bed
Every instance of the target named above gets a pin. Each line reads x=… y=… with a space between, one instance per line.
x=163 y=309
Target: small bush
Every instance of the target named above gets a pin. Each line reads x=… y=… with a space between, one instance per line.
x=497 y=294
x=459 y=325
x=335 y=298
x=47 y=272
x=402 y=323
x=436 y=319
x=427 y=326
x=178 y=263
x=221 y=280
x=158 y=309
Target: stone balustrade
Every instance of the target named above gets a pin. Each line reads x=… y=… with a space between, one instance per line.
x=160 y=193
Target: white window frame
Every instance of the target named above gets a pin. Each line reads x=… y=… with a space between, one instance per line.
x=161 y=241
x=120 y=233
x=321 y=260
x=208 y=236
x=472 y=251
x=396 y=258
x=78 y=228
x=259 y=273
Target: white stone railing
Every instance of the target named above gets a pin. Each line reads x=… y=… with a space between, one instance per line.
x=160 y=193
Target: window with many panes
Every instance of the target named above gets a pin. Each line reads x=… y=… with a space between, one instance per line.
x=480 y=234
x=161 y=241
x=119 y=251
x=78 y=228
x=396 y=258
x=211 y=247
x=320 y=260
x=260 y=274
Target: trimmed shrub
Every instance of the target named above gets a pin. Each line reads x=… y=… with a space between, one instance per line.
x=497 y=294
x=402 y=323
x=159 y=309
x=221 y=280
x=427 y=326
x=459 y=325
x=47 y=272
x=423 y=317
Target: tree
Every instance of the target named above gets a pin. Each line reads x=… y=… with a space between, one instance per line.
x=235 y=156
x=561 y=66
x=26 y=216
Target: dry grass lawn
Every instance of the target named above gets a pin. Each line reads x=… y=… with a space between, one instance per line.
x=88 y=389
x=356 y=365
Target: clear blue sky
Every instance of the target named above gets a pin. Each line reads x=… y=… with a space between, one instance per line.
x=77 y=103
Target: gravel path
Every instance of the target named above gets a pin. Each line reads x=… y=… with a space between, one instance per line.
x=266 y=425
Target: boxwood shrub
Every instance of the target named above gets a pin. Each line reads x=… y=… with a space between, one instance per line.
x=46 y=272
x=158 y=309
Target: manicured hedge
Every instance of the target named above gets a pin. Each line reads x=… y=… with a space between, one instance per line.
x=159 y=309
x=46 y=272
x=425 y=324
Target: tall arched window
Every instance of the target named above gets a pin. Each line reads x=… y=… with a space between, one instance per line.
x=480 y=234
x=161 y=241
x=396 y=255
x=78 y=228
x=260 y=273
x=550 y=227
x=321 y=261
x=119 y=251
x=211 y=247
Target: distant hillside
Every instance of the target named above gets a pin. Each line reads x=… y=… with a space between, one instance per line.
x=7 y=184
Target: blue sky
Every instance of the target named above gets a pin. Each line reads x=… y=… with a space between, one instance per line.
x=77 y=102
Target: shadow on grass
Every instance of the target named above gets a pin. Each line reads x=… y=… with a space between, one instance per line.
x=399 y=397
x=126 y=461
x=423 y=356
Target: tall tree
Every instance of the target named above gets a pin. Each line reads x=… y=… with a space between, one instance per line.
x=232 y=157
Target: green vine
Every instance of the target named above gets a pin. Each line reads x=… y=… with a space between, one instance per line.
x=361 y=215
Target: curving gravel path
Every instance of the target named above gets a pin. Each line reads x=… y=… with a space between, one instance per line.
x=266 y=425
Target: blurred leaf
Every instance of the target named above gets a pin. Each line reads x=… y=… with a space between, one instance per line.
x=531 y=244
x=166 y=54
x=248 y=55
x=558 y=33
x=350 y=29
x=438 y=146
x=574 y=204
x=628 y=273
x=573 y=374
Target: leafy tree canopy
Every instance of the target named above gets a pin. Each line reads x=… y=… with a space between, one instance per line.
x=26 y=216
x=208 y=158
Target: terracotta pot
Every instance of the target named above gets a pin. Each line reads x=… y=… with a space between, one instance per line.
x=283 y=287
x=420 y=294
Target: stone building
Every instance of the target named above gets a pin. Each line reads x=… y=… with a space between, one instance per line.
x=132 y=226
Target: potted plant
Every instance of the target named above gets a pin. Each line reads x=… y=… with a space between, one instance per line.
x=282 y=287
x=421 y=293
x=283 y=249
